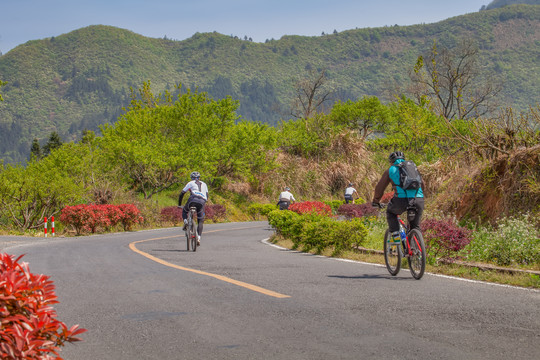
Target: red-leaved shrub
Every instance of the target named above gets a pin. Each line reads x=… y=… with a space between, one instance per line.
x=90 y=218
x=172 y=214
x=214 y=212
x=305 y=207
x=357 y=210
x=28 y=325
x=444 y=238
x=130 y=216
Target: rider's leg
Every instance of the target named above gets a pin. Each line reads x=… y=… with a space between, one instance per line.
x=415 y=223
x=396 y=206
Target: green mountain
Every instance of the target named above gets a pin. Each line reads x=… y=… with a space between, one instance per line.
x=79 y=80
x=500 y=3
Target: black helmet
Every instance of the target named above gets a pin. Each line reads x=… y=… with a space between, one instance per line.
x=287 y=188
x=351 y=184
x=396 y=155
x=195 y=175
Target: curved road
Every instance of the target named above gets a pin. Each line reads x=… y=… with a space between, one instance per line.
x=140 y=295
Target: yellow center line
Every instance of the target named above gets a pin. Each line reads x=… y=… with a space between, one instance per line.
x=219 y=277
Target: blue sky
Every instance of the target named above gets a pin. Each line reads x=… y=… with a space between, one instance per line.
x=24 y=20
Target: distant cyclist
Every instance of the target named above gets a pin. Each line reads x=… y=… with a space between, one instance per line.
x=350 y=191
x=402 y=198
x=197 y=198
x=285 y=199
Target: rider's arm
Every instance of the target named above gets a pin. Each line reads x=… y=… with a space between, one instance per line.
x=381 y=186
x=180 y=198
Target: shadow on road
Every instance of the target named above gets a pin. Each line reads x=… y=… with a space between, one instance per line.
x=369 y=276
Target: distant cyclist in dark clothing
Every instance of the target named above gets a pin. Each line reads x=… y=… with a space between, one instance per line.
x=197 y=198
x=402 y=198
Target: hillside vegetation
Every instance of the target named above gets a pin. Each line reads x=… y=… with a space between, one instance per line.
x=80 y=80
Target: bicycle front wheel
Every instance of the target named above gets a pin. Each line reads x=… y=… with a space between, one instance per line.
x=188 y=240
x=193 y=234
x=392 y=255
x=417 y=260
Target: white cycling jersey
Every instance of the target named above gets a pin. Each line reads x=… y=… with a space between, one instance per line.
x=286 y=196
x=199 y=189
x=350 y=190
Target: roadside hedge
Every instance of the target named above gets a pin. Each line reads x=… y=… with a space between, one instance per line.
x=317 y=232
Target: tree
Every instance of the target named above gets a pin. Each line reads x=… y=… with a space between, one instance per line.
x=310 y=94
x=35 y=150
x=54 y=142
x=158 y=141
x=28 y=194
x=365 y=115
x=2 y=83
x=449 y=81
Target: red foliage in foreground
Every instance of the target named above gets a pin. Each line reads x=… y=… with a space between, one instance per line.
x=311 y=207
x=89 y=218
x=28 y=325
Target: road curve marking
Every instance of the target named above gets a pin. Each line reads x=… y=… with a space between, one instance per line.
x=216 y=276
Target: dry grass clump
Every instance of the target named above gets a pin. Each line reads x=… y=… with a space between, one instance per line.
x=485 y=191
x=240 y=188
x=327 y=175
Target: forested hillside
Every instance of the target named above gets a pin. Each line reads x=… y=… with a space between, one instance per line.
x=82 y=79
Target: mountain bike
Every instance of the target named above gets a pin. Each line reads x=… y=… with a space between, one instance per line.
x=412 y=248
x=191 y=229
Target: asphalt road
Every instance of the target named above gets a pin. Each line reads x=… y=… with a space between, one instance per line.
x=141 y=295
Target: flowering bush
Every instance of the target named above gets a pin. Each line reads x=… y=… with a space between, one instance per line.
x=316 y=207
x=214 y=212
x=28 y=325
x=444 y=238
x=357 y=211
x=515 y=241
x=90 y=218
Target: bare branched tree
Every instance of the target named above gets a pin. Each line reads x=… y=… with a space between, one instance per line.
x=450 y=81
x=505 y=133
x=310 y=94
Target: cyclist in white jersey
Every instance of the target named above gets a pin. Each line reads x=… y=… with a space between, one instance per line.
x=285 y=199
x=349 y=193
x=197 y=198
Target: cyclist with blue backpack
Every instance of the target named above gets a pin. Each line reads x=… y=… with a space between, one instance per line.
x=407 y=184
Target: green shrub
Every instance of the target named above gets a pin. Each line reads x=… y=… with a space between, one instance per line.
x=514 y=241
x=334 y=204
x=318 y=233
x=256 y=209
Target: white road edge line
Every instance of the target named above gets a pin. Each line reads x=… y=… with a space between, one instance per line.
x=265 y=241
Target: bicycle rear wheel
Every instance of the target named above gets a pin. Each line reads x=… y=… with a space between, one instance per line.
x=188 y=239
x=392 y=255
x=193 y=233
x=417 y=260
